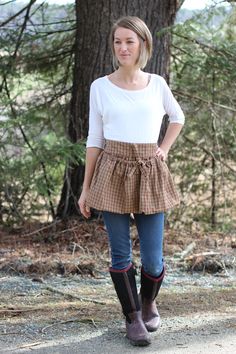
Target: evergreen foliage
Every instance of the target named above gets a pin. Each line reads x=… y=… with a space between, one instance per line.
x=37 y=55
x=204 y=74
x=35 y=80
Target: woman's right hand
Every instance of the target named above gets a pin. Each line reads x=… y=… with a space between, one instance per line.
x=161 y=153
x=85 y=210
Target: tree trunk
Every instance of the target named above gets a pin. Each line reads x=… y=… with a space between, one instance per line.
x=93 y=59
x=213 y=159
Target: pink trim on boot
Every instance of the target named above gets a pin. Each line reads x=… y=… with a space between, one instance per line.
x=120 y=270
x=154 y=278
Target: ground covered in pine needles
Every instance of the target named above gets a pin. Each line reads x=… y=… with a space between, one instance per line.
x=54 y=281
x=81 y=247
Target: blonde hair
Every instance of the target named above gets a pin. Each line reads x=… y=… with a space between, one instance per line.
x=136 y=25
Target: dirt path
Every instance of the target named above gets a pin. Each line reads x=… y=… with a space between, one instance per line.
x=214 y=337
x=76 y=309
x=198 y=315
x=209 y=335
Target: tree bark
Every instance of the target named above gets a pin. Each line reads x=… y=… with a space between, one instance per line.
x=93 y=59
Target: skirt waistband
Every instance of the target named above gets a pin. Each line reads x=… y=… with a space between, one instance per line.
x=130 y=151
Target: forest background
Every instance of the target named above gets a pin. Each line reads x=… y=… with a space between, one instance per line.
x=37 y=49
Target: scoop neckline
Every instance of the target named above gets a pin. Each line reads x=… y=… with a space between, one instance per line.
x=126 y=90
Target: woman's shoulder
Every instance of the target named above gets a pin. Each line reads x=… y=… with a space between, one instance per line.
x=157 y=78
x=100 y=81
x=159 y=82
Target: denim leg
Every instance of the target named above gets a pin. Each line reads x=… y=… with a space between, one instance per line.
x=118 y=228
x=151 y=230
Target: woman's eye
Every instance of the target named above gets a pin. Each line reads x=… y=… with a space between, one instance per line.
x=129 y=42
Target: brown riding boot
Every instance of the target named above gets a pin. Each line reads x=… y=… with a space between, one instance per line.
x=150 y=287
x=125 y=286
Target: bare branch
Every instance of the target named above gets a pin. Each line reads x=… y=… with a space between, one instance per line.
x=23 y=27
x=208 y=152
x=8 y=2
x=18 y=13
x=184 y=94
x=205 y=45
x=49 y=33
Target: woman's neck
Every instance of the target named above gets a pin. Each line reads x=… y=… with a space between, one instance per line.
x=130 y=79
x=128 y=75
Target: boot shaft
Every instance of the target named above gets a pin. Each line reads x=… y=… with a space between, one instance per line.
x=126 y=289
x=150 y=286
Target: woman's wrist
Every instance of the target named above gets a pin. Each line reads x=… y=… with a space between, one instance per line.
x=85 y=188
x=165 y=149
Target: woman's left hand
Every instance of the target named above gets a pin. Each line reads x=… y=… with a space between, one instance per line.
x=162 y=154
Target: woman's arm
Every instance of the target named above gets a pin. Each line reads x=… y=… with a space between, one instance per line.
x=92 y=154
x=176 y=119
x=171 y=135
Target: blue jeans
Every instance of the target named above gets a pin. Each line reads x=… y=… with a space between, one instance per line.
x=150 y=230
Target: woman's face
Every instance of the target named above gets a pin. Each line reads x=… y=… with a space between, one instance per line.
x=126 y=46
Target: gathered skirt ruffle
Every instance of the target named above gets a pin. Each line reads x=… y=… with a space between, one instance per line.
x=130 y=178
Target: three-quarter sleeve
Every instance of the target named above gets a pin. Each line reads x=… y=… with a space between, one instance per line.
x=95 y=135
x=171 y=106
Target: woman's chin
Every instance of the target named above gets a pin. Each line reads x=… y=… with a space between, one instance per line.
x=126 y=64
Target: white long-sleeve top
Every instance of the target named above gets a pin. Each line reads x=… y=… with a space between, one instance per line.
x=132 y=116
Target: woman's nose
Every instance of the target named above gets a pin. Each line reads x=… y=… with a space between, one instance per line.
x=123 y=47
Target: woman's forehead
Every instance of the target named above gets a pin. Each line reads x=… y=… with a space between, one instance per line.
x=126 y=33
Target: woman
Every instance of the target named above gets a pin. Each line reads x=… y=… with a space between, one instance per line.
x=125 y=169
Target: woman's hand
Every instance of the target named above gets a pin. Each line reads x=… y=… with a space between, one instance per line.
x=162 y=154
x=85 y=210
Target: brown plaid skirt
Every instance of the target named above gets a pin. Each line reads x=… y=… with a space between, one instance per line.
x=130 y=178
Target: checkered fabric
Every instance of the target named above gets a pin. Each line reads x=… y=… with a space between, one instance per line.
x=130 y=178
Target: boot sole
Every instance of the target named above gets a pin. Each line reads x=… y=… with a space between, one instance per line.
x=152 y=329
x=140 y=343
